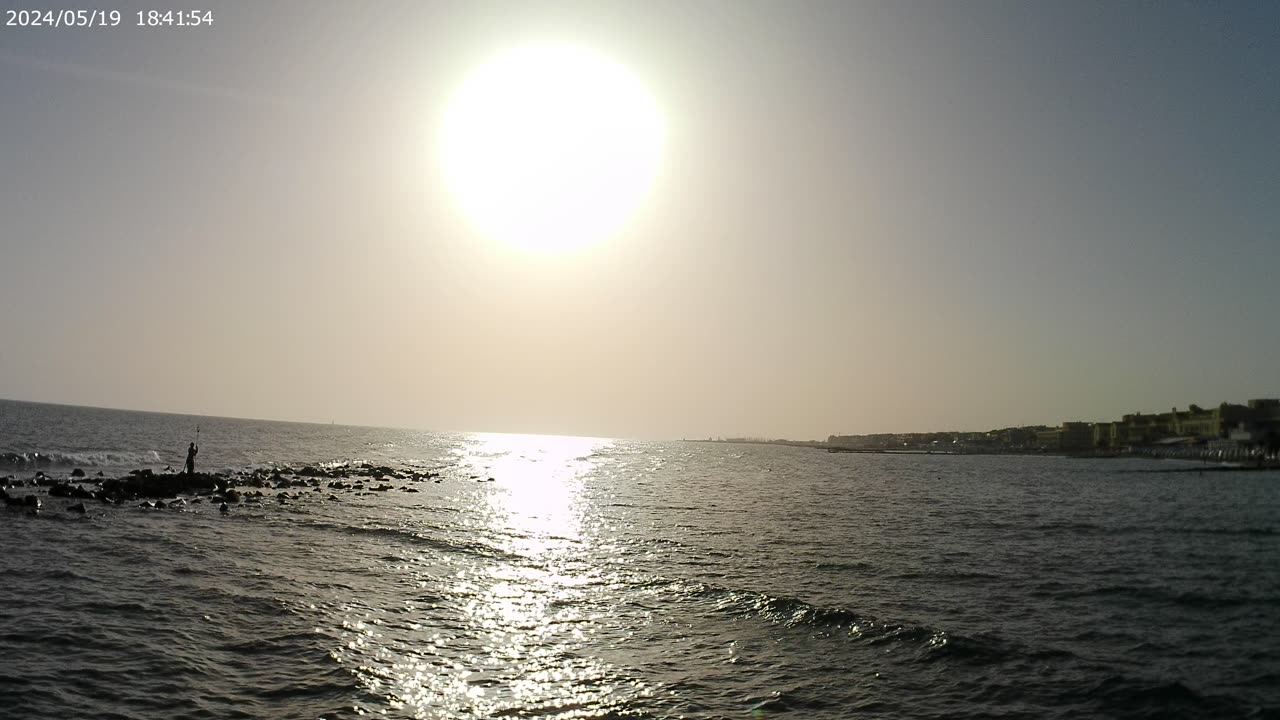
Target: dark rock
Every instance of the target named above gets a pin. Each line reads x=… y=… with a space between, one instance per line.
x=231 y=496
x=333 y=497
x=149 y=485
x=77 y=508
x=32 y=501
x=62 y=489
x=224 y=508
x=77 y=473
x=160 y=505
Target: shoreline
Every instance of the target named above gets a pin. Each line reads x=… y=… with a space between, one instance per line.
x=1208 y=464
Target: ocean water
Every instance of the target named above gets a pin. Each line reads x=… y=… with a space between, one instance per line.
x=584 y=578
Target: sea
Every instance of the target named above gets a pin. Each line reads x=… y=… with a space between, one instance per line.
x=517 y=576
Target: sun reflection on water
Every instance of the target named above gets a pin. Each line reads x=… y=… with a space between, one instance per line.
x=537 y=483
x=509 y=631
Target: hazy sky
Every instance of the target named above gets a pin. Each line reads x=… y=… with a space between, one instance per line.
x=868 y=217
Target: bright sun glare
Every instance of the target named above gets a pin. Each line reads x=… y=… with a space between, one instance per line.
x=550 y=147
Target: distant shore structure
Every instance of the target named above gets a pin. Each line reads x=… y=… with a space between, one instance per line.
x=1248 y=433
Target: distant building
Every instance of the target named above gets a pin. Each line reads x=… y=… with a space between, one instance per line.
x=1049 y=439
x=1109 y=434
x=1252 y=428
x=1022 y=437
x=1076 y=436
x=1261 y=428
x=1215 y=423
x=1139 y=429
x=1249 y=423
x=1070 y=436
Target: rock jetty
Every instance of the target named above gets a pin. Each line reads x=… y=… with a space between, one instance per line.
x=150 y=489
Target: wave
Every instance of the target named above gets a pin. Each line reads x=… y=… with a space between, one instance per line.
x=418 y=539
x=847 y=565
x=924 y=644
x=1149 y=594
x=948 y=575
x=1118 y=696
x=83 y=458
x=930 y=644
x=1138 y=698
x=1089 y=528
x=1247 y=531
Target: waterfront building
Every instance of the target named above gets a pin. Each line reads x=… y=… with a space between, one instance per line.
x=1253 y=427
x=1068 y=436
x=1139 y=429
x=1049 y=439
x=1215 y=423
x=1076 y=436
x=1109 y=434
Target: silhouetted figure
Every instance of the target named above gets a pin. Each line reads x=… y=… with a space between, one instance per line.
x=191 y=459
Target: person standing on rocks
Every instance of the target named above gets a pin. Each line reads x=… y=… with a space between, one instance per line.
x=191 y=459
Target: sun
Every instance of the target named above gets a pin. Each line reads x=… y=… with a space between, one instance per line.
x=550 y=147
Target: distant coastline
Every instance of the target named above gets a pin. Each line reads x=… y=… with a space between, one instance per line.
x=1245 y=436
x=1265 y=462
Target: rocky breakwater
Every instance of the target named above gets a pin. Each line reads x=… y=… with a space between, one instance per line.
x=148 y=484
x=220 y=489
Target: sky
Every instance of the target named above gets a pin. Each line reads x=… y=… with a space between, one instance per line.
x=867 y=217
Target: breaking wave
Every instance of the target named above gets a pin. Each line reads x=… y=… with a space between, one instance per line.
x=82 y=458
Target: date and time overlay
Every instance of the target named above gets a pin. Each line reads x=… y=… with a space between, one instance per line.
x=76 y=18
